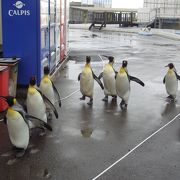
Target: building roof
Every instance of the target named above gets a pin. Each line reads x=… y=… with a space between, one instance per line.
x=100 y=9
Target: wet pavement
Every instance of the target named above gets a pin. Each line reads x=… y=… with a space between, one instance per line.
x=87 y=140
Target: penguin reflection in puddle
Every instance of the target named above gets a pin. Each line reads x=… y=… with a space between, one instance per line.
x=18 y=124
x=86 y=78
x=123 y=84
x=171 y=82
x=36 y=102
x=49 y=90
x=108 y=75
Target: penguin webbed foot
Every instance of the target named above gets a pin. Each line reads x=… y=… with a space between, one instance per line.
x=123 y=105
x=171 y=98
x=105 y=99
x=90 y=102
x=20 y=152
x=114 y=98
x=82 y=98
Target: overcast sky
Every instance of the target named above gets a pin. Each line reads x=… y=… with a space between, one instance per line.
x=124 y=3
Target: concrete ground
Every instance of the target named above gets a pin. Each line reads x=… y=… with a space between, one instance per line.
x=143 y=141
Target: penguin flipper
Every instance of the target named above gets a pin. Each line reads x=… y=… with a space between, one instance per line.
x=177 y=76
x=105 y=56
x=98 y=80
x=5 y=120
x=51 y=105
x=79 y=77
x=46 y=100
x=164 y=80
x=100 y=76
x=135 y=79
x=56 y=91
x=115 y=74
x=39 y=121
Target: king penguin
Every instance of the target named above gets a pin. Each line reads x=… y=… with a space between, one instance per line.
x=35 y=104
x=49 y=90
x=171 y=81
x=123 y=84
x=17 y=121
x=108 y=75
x=86 y=78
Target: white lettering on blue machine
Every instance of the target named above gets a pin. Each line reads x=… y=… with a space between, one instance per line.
x=19 y=12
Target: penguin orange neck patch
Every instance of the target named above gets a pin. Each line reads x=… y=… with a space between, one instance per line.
x=122 y=70
x=11 y=112
x=46 y=79
x=87 y=65
x=31 y=90
x=170 y=71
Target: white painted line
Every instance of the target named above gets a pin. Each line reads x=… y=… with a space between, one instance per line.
x=136 y=147
x=101 y=59
x=68 y=95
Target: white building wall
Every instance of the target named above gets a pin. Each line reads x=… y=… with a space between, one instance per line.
x=103 y=3
x=161 y=8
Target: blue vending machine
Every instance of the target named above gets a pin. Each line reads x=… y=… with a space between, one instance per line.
x=30 y=32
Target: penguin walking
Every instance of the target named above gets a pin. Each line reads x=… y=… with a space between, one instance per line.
x=86 y=78
x=18 y=125
x=36 y=102
x=108 y=75
x=49 y=90
x=171 y=81
x=123 y=84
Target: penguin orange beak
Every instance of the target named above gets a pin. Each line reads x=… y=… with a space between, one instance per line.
x=14 y=100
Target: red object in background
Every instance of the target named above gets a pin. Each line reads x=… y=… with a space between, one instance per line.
x=4 y=84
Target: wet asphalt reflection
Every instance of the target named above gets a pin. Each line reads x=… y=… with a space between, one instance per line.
x=86 y=140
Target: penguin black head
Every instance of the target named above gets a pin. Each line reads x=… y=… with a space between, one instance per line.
x=11 y=101
x=111 y=59
x=88 y=59
x=46 y=70
x=170 y=65
x=124 y=64
x=32 y=81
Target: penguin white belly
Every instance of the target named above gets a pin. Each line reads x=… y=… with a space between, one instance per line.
x=36 y=106
x=109 y=82
x=123 y=87
x=47 y=90
x=18 y=131
x=87 y=84
x=171 y=84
